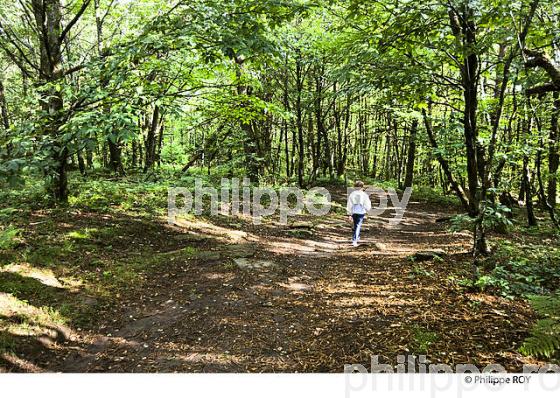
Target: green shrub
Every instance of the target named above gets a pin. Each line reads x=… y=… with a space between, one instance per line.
x=518 y=270
x=8 y=237
x=495 y=219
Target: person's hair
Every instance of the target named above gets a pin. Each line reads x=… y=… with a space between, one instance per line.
x=358 y=184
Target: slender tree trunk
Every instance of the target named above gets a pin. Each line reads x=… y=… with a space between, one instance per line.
x=253 y=165
x=526 y=183
x=411 y=154
x=299 y=118
x=159 y=143
x=286 y=103
x=81 y=163
x=141 y=157
x=4 y=118
x=375 y=155
x=470 y=132
x=538 y=167
x=444 y=163
x=502 y=83
x=322 y=135
x=89 y=157
x=553 y=155
x=134 y=153
x=347 y=119
x=113 y=141
x=531 y=219
x=387 y=169
x=464 y=28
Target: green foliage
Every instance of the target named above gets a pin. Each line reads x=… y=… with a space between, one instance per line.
x=18 y=201
x=423 y=339
x=7 y=215
x=462 y=222
x=519 y=270
x=498 y=280
x=8 y=237
x=544 y=341
x=495 y=218
x=432 y=195
x=418 y=270
x=108 y=195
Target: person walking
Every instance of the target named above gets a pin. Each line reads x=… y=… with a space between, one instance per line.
x=356 y=208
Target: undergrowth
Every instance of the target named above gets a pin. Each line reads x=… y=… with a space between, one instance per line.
x=544 y=341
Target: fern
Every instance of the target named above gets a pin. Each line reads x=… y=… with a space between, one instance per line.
x=547 y=306
x=8 y=237
x=544 y=341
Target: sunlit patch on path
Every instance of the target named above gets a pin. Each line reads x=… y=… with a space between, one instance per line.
x=218 y=295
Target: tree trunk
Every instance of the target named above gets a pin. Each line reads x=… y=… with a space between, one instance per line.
x=553 y=155
x=286 y=103
x=464 y=28
x=299 y=118
x=134 y=160
x=159 y=143
x=81 y=163
x=48 y=17
x=531 y=219
x=411 y=154
x=89 y=157
x=150 y=144
x=115 y=156
x=4 y=119
x=444 y=163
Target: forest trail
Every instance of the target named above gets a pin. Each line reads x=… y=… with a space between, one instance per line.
x=229 y=296
x=109 y=109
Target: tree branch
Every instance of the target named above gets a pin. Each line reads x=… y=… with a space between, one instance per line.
x=543 y=89
x=537 y=59
x=74 y=20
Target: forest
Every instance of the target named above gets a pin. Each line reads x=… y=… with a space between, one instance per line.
x=107 y=104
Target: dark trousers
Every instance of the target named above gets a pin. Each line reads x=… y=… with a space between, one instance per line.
x=358 y=221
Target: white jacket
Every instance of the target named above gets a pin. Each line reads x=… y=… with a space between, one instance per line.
x=358 y=203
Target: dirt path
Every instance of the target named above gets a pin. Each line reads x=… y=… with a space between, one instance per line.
x=247 y=298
